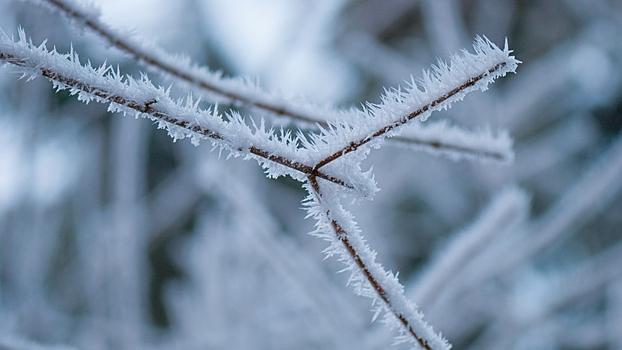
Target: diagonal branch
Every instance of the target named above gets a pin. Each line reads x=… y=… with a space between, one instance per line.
x=444 y=139
x=369 y=277
x=215 y=88
x=439 y=147
x=143 y=99
x=211 y=84
x=439 y=102
x=594 y=191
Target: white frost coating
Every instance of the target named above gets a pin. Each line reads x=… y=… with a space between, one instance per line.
x=441 y=138
x=327 y=209
x=104 y=84
x=508 y=209
x=211 y=85
x=436 y=90
x=447 y=83
x=216 y=88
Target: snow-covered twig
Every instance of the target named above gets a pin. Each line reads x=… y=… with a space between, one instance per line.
x=441 y=138
x=367 y=277
x=298 y=156
x=278 y=154
x=437 y=90
x=218 y=89
x=212 y=85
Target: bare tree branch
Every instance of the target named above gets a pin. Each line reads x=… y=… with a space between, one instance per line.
x=216 y=88
x=357 y=255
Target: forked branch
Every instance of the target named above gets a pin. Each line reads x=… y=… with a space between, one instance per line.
x=189 y=74
x=437 y=103
x=143 y=99
x=215 y=88
x=300 y=156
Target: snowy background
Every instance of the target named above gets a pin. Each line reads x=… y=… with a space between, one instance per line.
x=113 y=237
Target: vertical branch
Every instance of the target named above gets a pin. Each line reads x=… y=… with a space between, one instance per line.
x=369 y=277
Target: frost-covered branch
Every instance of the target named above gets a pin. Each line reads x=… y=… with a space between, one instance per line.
x=212 y=85
x=367 y=277
x=441 y=138
x=218 y=89
x=301 y=156
x=437 y=90
x=278 y=154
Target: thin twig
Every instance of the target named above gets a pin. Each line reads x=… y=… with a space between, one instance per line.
x=467 y=72
x=439 y=145
x=177 y=72
x=374 y=282
x=150 y=108
x=260 y=100
x=355 y=144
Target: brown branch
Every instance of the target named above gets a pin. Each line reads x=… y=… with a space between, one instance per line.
x=354 y=145
x=439 y=145
x=190 y=78
x=186 y=76
x=148 y=108
x=342 y=236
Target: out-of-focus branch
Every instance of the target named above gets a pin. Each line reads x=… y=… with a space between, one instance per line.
x=450 y=141
x=263 y=236
x=172 y=200
x=564 y=292
x=504 y=212
x=580 y=203
x=443 y=24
